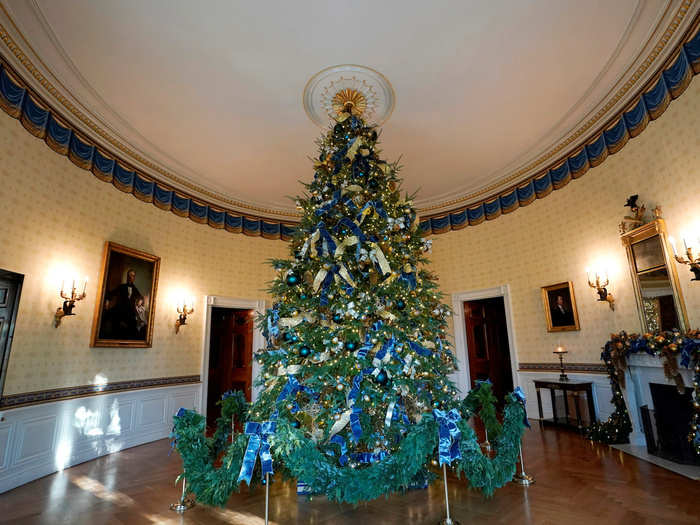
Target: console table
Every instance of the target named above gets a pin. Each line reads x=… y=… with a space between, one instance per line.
x=576 y=388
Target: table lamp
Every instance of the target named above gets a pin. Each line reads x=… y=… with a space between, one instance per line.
x=560 y=351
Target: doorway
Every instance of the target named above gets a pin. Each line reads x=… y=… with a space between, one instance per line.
x=488 y=349
x=10 y=290
x=230 y=364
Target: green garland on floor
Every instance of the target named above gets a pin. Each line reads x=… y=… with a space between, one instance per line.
x=298 y=457
x=480 y=400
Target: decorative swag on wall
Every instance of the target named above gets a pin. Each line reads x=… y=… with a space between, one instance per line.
x=668 y=346
x=40 y=120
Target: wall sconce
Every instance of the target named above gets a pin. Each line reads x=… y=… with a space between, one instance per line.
x=184 y=311
x=69 y=302
x=559 y=352
x=693 y=260
x=599 y=281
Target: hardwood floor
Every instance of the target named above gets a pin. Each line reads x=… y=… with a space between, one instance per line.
x=577 y=482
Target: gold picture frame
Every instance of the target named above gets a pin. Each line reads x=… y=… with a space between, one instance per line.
x=125 y=309
x=560 y=307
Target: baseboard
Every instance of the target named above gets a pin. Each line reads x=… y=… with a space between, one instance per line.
x=38 y=440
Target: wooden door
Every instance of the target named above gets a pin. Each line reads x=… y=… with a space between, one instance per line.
x=230 y=356
x=487 y=344
x=10 y=287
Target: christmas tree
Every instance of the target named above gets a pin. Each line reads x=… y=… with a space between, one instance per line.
x=356 y=399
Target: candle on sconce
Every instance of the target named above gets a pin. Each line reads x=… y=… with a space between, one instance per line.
x=85 y=285
x=672 y=242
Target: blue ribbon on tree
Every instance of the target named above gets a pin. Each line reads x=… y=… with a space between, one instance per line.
x=258 y=443
x=378 y=207
x=329 y=204
x=273 y=317
x=367 y=345
x=340 y=440
x=356 y=381
x=449 y=435
x=328 y=245
x=409 y=279
x=355 y=425
x=420 y=350
x=520 y=395
x=328 y=280
x=291 y=389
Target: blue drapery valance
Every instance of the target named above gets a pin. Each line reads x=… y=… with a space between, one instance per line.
x=649 y=105
x=41 y=121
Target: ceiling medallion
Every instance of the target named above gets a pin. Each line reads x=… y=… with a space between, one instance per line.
x=348 y=87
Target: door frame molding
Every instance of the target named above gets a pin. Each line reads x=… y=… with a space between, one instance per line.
x=462 y=377
x=216 y=301
x=11 y=323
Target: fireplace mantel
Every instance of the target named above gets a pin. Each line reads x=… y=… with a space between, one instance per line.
x=642 y=370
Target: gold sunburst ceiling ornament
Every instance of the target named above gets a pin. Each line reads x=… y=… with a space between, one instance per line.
x=350 y=88
x=349 y=100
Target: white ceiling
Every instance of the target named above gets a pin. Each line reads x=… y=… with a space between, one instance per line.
x=211 y=90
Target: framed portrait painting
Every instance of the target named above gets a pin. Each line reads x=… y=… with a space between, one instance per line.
x=125 y=307
x=560 y=307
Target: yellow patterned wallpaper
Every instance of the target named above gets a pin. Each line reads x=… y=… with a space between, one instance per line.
x=55 y=218
x=555 y=239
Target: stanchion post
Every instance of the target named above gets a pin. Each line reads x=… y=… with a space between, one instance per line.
x=522 y=478
x=185 y=503
x=487 y=444
x=267 y=496
x=448 y=520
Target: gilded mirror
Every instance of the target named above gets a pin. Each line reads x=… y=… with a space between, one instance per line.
x=659 y=298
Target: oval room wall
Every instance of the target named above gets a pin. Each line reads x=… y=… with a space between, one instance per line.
x=55 y=215
x=556 y=239
x=51 y=220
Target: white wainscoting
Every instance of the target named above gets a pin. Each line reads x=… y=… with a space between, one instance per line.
x=38 y=440
x=602 y=393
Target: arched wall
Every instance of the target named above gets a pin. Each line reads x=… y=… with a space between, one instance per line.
x=556 y=239
x=55 y=218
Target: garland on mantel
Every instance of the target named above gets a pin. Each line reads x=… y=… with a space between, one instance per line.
x=667 y=345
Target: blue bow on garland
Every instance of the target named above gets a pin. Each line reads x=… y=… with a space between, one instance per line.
x=688 y=347
x=449 y=435
x=258 y=443
x=479 y=382
x=520 y=395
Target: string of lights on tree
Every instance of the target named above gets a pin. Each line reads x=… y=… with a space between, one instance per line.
x=668 y=346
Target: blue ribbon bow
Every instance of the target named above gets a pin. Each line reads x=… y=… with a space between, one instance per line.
x=258 y=443
x=328 y=280
x=449 y=435
x=520 y=395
